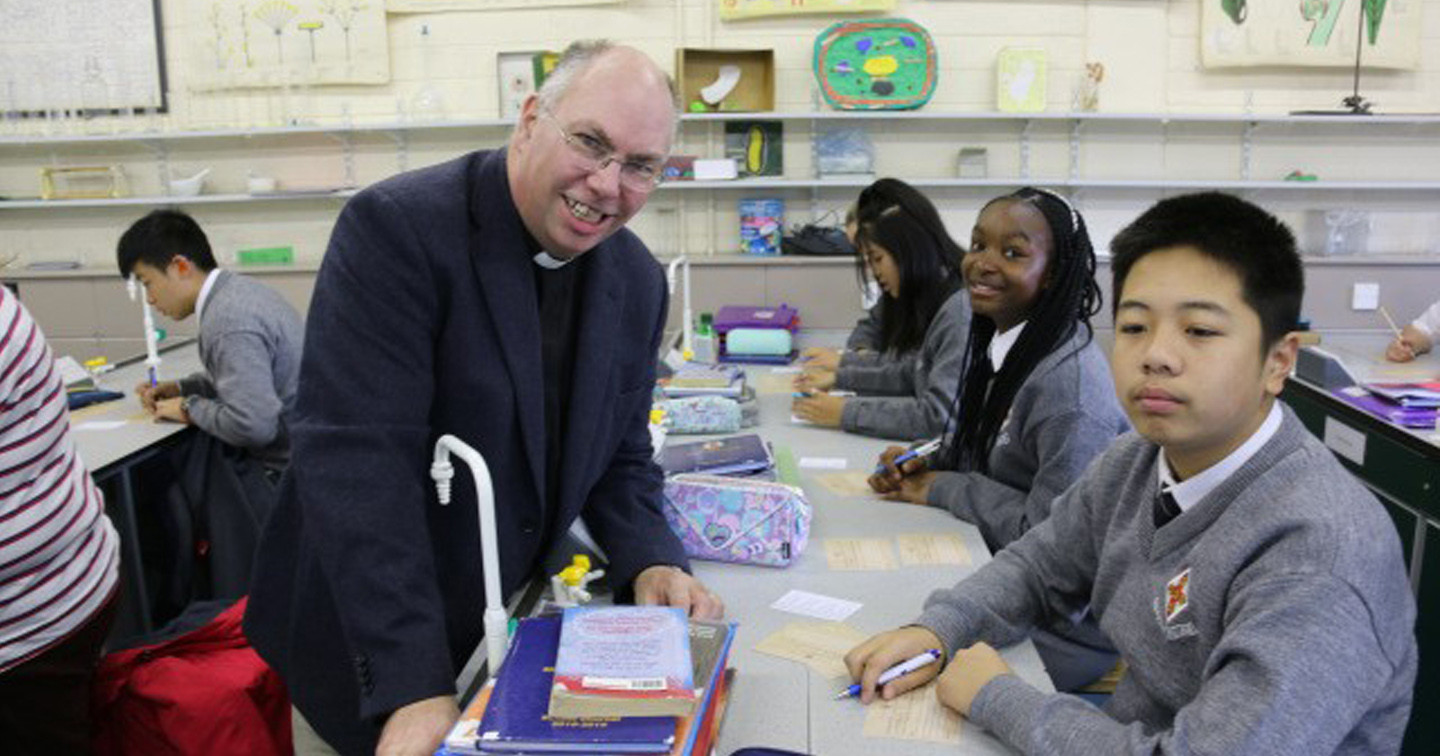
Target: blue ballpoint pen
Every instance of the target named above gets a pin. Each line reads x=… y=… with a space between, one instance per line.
x=899 y=670
x=919 y=452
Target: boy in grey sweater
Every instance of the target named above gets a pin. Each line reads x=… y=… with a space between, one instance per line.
x=1255 y=589
x=250 y=339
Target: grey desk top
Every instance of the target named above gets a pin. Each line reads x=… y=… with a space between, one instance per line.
x=1364 y=356
x=102 y=446
x=783 y=704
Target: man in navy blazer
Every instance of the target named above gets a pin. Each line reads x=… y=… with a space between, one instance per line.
x=496 y=297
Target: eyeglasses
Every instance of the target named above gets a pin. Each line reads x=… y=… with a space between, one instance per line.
x=595 y=155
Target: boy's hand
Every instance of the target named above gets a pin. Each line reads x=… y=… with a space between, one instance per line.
x=970 y=671
x=171 y=409
x=820 y=409
x=815 y=379
x=868 y=660
x=820 y=357
x=150 y=394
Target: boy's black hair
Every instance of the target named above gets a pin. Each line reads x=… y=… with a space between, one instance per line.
x=1068 y=300
x=1256 y=245
x=894 y=215
x=158 y=237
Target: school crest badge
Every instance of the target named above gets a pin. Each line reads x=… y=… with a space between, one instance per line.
x=1177 y=595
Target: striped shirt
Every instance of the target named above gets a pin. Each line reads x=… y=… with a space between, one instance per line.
x=59 y=554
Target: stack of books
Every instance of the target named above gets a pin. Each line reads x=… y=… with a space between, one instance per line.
x=740 y=455
x=1409 y=405
x=696 y=379
x=512 y=713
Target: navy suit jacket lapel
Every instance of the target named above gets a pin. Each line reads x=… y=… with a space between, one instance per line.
x=504 y=272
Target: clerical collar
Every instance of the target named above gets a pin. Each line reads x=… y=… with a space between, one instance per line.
x=550 y=262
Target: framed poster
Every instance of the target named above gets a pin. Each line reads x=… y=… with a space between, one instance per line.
x=1310 y=33
x=81 y=56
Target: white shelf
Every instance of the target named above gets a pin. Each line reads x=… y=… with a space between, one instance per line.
x=943 y=183
x=796 y=115
x=201 y=199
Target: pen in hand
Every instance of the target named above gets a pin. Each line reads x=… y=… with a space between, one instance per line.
x=897 y=671
x=920 y=452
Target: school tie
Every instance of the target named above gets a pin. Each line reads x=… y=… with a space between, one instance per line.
x=1165 y=509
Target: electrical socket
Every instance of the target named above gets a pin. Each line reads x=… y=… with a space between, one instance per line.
x=1365 y=296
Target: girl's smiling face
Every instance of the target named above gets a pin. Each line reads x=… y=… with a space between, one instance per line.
x=1010 y=250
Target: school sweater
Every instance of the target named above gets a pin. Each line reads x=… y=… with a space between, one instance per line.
x=909 y=400
x=1064 y=415
x=59 y=554
x=1273 y=617
x=250 y=344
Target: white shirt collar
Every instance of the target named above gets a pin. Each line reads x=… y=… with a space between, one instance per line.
x=205 y=294
x=548 y=261
x=1001 y=343
x=1189 y=493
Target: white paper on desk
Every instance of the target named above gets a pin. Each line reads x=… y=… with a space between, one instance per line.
x=815 y=605
x=100 y=425
x=824 y=463
x=787 y=369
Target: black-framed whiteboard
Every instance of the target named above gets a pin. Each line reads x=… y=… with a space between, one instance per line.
x=81 y=56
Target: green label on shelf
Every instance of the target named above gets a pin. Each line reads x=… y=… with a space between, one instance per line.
x=266 y=256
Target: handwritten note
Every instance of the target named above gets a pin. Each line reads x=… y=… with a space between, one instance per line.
x=815 y=605
x=848 y=483
x=819 y=645
x=859 y=554
x=931 y=548
x=917 y=715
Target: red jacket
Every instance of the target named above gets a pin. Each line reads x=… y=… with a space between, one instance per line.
x=204 y=692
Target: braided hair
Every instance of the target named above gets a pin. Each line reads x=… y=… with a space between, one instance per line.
x=897 y=217
x=1067 y=302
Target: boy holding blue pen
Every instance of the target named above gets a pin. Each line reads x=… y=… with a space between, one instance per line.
x=1255 y=589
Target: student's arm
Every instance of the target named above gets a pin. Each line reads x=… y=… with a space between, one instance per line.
x=866 y=335
x=922 y=414
x=887 y=376
x=244 y=410
x=1058 y=449
x=1047 y=573
x=197 y=384
x=1296 y=669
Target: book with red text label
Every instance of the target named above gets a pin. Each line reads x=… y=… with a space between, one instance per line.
x=623 y=661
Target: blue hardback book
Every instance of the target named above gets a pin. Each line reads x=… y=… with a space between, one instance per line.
x=734 y=455
x=515 y=721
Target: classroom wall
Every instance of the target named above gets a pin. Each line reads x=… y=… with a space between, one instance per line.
x=1150 y=50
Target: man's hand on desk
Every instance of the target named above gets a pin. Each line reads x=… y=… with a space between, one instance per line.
x=665 y=585
x=868 y=660
x=171 y=409
x=150 y=394
x=416 y=729
x=970 y=671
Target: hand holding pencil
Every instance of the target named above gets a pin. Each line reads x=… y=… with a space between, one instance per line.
x=1406 y=344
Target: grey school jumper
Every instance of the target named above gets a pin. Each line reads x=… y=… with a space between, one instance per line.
x=1063 y=416
x=1274 y=617
x=910 y=398
x=250 y=342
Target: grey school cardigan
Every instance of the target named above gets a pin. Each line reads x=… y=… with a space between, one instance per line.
x=1063 y=416
x=250 y=344
x=1274 y=617
x=910 y=397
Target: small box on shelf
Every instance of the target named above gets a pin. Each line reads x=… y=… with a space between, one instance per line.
x=698 y=68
